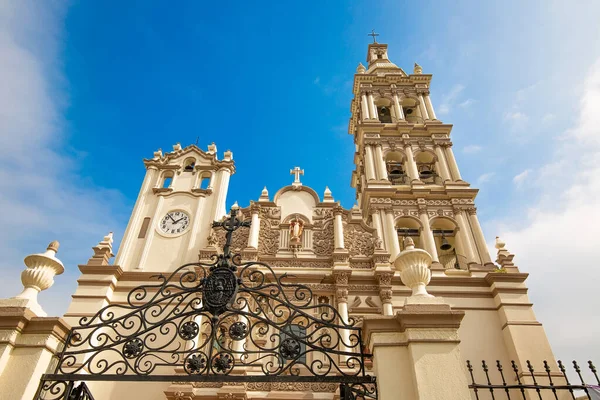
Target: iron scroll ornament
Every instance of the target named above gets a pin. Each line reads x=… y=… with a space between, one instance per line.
x=209 y=320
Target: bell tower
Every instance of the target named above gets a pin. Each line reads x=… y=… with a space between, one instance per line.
x=407 y=180
x=183 y=192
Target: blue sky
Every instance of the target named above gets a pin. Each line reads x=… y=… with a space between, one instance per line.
x=91 y=88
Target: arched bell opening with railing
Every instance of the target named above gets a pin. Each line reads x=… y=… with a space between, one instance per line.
x=396 y=168
x=448 y=243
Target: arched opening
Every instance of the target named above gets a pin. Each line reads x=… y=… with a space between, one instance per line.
x=395 y=168
x=426 y=167
x=408 y=227
x=448 y=244
x=189 y=164
x=384 y=110
x=167 y=179
x=411 y=110
x=205 y=180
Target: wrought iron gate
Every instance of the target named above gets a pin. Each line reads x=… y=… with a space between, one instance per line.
x=211 y=319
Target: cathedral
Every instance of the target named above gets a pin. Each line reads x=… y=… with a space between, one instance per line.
x=403 y=282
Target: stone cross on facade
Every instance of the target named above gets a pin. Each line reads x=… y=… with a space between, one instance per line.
x=296 y=172
x=374 y=35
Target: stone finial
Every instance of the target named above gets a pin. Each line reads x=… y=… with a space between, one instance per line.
x=504 y=258
x=228 y=155
x=39 y=275
x=177 y=146
x=413 y=265
x=102 y=251
x=212 y=148
x=264 y=195
x=418 y=69
x=235 y=206
x=360 y=69
x=327 y=196
x=158 y=154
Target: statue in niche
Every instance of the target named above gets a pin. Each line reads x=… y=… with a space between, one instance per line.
x=296 y=228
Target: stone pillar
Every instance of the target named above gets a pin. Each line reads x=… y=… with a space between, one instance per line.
x=398 y=107
x=376 y=218
x=411 y=164
x=29 y=340
x=369 y=163
x=422 y=107
x=254 y=227
x=427 y=234
x=390 y=225
x=372 y=109
x=385 y=291
x=338 y=228
x=452 y=163
x=221 y=195
x=429 y=106
x=443 y=164
x=365 y=107
x=410 y=349
x=465 y=236
x=130 y=234
x=380 y=162
x=341 y=278
x=479 y=238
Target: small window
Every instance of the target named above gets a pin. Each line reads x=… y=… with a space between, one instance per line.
x=292 y=346
x=204 y=181
x=144 y=228
x=189 y=165
x=167 y=182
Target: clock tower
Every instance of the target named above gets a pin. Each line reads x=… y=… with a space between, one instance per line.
x=183 y=192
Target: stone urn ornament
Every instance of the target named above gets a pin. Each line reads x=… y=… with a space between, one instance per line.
x=413 y=265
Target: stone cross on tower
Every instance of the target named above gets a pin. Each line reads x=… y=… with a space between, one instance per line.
x=296 y=172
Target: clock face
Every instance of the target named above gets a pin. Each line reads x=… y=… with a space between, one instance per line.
x=174 y=222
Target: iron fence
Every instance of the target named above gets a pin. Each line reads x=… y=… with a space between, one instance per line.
x=552 y=383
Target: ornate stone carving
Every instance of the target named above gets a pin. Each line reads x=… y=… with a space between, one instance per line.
x=385 y=295
x=438 y=202
x=323 y=213
x=239 y=238
x=270 y=212
x=385 y=278
x=292 y=386
x=404 y=202
x=341 y=277
x=300 y=264
x=362 y=264
x=358 y=241
x=342 y=295
x=323 y=240
x=268 y=239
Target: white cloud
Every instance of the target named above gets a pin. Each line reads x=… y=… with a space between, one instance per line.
x=44 y=196
x=449 y=99
x=317 y=80
x=520 y=178
x=549 y=117
x=483 y=178
x=558 y=242
x=517 y=120
x=472 y=148
x=467 y=103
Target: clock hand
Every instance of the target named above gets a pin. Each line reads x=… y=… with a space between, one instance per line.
x=176 y=222
x=169 y=215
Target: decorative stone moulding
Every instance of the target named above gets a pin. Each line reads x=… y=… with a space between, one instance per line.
x=413 y=265
x=39 y=275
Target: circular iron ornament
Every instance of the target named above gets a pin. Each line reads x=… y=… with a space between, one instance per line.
x=238 y=330
x=220 y=288
x=289 y=349
x=222 y=363
x=189 y=330
x=195 y=363
x=133 y=348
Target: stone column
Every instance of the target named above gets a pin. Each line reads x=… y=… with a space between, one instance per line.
x=429 y=106
x=390 y=225
x=427 y=234
x=422 y=107
x=398 y=107
x=133 y=226
x=338 y=228
x=479 y=238
x=452 y=163
x=254 y=227
x=465 y=236
x=443 y=164
x=411 y=164
x=385 y=291
x=376 y=218
x=380 y=162
x=369 y=162
x=221 y=195
x=372 y=109
x=341 y=279
x=365 y=107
